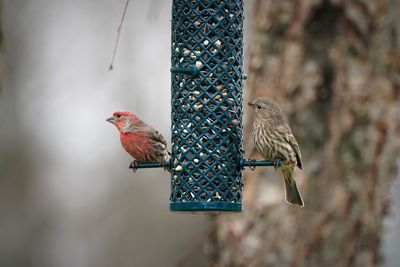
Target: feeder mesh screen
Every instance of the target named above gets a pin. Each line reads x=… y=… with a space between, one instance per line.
x=207 y=39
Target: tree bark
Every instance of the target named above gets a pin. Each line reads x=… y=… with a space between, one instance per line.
x=334 y=66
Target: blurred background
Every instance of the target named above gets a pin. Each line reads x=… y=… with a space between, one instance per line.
x=67 y=197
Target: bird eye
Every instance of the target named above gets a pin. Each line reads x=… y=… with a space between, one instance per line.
x=118 y=115
x=258 y=106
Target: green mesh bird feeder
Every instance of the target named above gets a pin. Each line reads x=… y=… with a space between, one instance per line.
x=207 y=81
x=206 y=74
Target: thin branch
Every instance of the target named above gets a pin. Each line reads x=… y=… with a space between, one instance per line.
x=111 y=67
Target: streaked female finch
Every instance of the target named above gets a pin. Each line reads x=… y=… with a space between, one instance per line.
x=275 y=141
x=141 y=141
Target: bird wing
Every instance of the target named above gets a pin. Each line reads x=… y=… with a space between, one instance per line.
x=156 y=136
x=289 y=137
x=293 y=143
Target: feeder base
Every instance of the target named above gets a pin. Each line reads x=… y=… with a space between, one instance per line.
x=205 y=207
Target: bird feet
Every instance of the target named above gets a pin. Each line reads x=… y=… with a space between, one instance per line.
x=165 y=165
x=134 y=165
x=277 y=163
x=252 y=164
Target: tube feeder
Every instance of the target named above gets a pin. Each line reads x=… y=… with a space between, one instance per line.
x=206 y=103
x=206 y=74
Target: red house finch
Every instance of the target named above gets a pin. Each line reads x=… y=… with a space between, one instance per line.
x=275 y=141
x=141 y=141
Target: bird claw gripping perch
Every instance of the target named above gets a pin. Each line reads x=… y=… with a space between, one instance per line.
x=166 y=166
x=252 y=164
x=134 y=165
x=277 y=163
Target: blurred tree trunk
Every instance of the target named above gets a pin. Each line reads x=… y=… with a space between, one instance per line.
x=334 y=66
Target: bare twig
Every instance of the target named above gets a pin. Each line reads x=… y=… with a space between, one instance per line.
x=111 y=67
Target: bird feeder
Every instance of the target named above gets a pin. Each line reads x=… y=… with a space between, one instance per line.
x=206 y=88
x=206 y=74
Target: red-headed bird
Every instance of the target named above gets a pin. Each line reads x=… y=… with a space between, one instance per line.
x=275 y=141
x=140 y=140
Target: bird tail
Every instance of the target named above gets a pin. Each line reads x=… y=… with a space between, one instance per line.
x=292 y=193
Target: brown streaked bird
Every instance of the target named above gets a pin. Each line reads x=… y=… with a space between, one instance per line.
x=140 y=140
x=275 y=141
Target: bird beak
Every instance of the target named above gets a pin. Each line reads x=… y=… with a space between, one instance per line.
x=251 y=104
x=111 y=120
